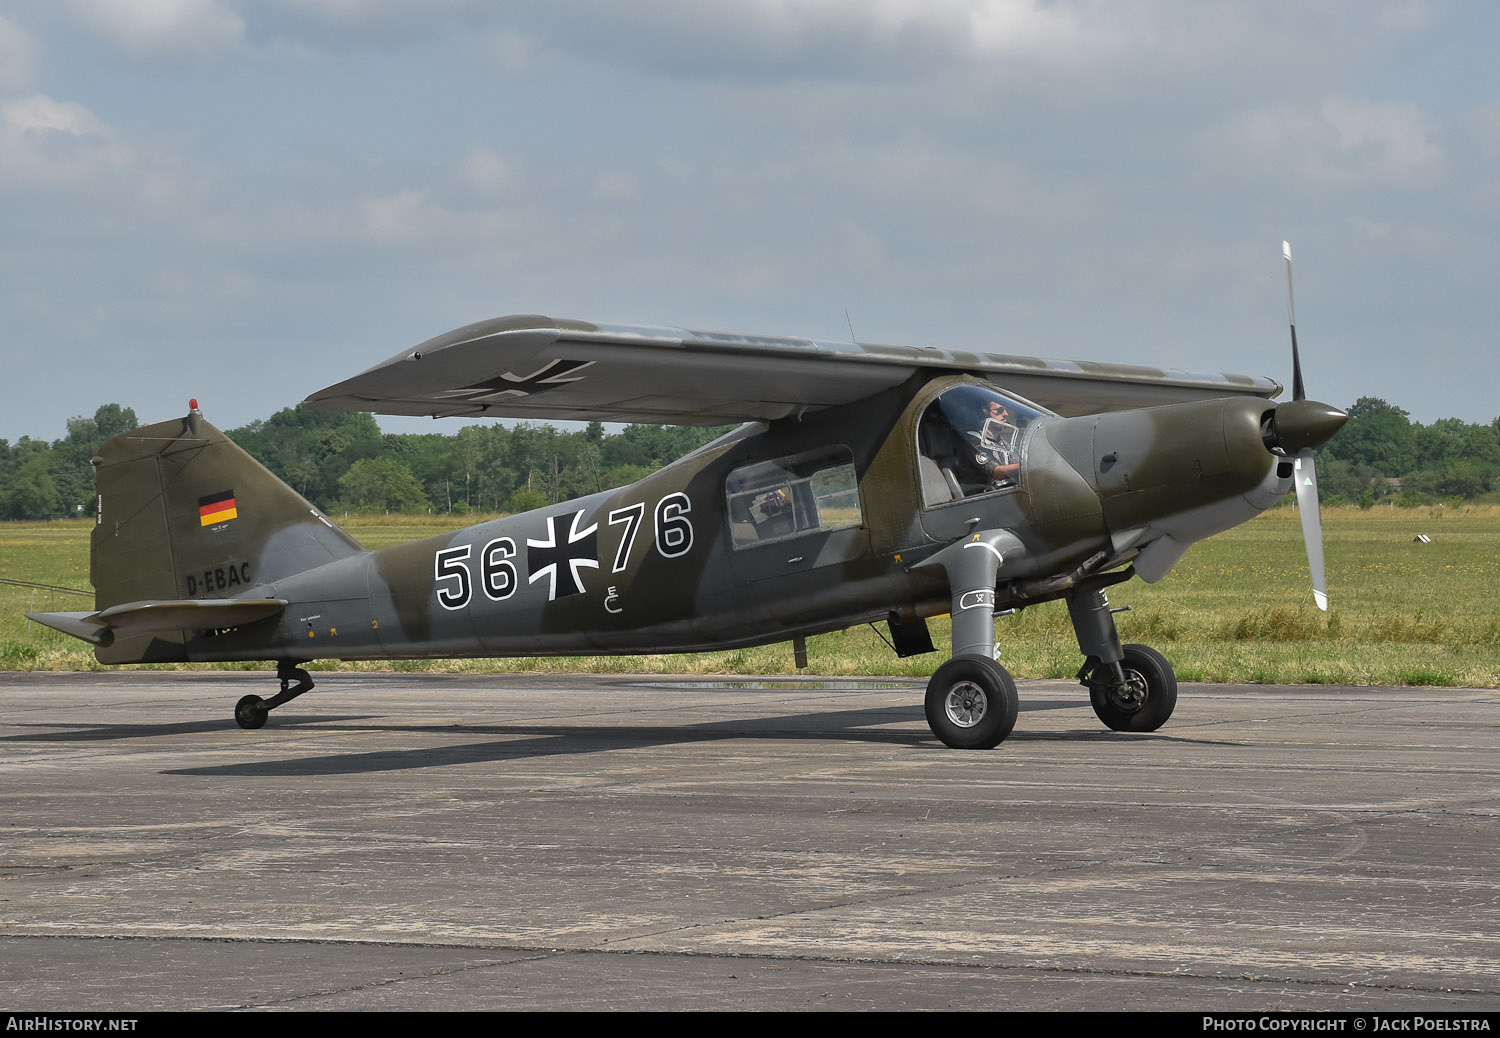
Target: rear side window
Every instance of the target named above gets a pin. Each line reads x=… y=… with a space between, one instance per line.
x=788 y=497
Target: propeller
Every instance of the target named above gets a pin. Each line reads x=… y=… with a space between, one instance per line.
x=1298 y=427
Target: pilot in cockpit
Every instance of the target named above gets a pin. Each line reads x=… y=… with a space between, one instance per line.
x=970 y=443
x=995 y=443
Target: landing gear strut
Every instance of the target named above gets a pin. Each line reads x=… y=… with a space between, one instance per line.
x=971 y=701
x=251 y=711
x=1132 y=687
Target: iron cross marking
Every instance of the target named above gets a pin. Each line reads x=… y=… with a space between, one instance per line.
x=550 y=375
x=560 y=562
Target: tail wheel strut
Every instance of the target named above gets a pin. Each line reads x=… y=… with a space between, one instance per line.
x=251 y=711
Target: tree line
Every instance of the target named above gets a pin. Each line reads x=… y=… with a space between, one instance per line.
x=1381 y=454
x=343 y=462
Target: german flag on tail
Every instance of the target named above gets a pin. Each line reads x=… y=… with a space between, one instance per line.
x=216 y=508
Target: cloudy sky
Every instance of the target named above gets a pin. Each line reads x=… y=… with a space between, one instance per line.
x=245 y=202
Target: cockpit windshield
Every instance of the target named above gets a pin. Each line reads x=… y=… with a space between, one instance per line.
x=969 y=442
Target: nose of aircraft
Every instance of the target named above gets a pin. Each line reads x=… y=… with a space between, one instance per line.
x=1298 y=425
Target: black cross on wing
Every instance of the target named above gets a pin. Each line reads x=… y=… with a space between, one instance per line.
x=553 y=373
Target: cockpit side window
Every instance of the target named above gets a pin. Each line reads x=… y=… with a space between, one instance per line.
x=969 y=442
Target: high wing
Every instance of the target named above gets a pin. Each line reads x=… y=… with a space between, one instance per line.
x=539 y=367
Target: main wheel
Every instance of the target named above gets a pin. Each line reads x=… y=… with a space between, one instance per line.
x=972 y=703
x=250 y=712
x=1149 y=695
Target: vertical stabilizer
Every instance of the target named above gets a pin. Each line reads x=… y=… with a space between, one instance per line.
x=184 y=513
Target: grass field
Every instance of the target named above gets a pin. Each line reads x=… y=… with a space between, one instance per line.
x=1237 y=608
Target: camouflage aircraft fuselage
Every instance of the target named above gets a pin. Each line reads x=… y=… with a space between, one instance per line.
x=673 y=562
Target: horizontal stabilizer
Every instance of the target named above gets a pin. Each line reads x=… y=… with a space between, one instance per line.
x=193 y=614
x=85 y=626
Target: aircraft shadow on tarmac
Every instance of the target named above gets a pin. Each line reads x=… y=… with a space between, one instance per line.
x=64 y=733
x=523 y=741
x=110 y=732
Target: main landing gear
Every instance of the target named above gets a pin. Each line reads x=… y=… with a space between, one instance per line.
x=971 y=701
x=251 y=711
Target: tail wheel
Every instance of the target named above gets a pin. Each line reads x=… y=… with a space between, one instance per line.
x=1147 y=698
x=251 y=712
x=972 y=703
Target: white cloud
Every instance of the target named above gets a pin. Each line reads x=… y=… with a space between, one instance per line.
x=1404 y=15
x=514 y=52
x=65 y=169
x=348 y=10
x=1384 y=140
x=486 y=172
x=1035 y=174
x=422 y=225
x=54 y=145
x=162 y=26
x=40 y=114
x=979 y=28
x=1339 y=143
x=1482 y=127
x=614 y=186
x=15 y=55
x=401 y=217
x=1025 y=28
x=1370 y=230
x=351 y=12
x=819 y=40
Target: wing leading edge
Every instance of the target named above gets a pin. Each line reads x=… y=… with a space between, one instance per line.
x=538 y=367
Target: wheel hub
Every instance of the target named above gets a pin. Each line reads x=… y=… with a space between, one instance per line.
x=966 y=704
x=1131 y=695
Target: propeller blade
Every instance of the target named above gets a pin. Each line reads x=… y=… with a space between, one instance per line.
x=1306 y=477
x=1303 y=426
x=1298 y=393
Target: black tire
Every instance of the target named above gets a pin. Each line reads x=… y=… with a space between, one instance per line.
x=972 y=703
x=250 y=712
x=1153 y=683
